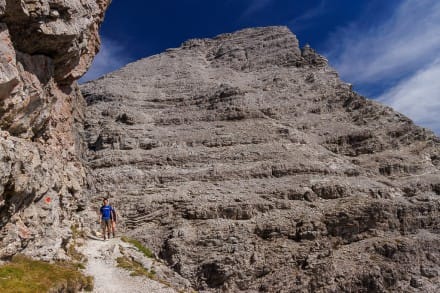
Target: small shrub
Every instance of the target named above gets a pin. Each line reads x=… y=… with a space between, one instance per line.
x=76 y=232
x=72 y=251
x=75 y=254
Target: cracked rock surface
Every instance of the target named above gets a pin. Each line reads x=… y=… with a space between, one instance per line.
x=45 y=46
x=246 y=164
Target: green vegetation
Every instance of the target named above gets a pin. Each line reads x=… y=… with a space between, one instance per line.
x=76 y=232
x=72 y=252
x=23 y=274
x=146 y=251
x=136 y=268
x=76 y=255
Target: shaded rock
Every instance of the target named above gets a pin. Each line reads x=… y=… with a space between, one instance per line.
x=45 y=46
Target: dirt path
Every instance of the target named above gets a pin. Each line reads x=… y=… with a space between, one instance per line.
x=102 y=266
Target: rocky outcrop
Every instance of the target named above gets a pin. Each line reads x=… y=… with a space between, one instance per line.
x=246 y=164
x=45 y=46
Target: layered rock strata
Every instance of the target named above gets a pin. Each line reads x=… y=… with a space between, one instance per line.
x=247 y=164
x=45 y=47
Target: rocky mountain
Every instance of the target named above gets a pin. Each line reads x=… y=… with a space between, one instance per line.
x=246 y=164
x=44 y=47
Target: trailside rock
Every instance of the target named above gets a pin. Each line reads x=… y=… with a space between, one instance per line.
x=44 y=47
x=247 y=165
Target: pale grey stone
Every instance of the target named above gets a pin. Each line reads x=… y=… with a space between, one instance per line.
x=246 y=164
x=41 y=174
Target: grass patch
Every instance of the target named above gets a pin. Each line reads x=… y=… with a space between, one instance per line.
x=75 y=254
x=25 y=275
x=136 y=268
x=145 y=250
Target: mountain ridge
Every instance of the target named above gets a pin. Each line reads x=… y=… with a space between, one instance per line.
x=243 y=160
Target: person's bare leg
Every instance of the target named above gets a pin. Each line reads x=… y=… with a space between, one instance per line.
x=113 y=228
x=109 y=229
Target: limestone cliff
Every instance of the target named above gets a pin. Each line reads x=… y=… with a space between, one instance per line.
x=246 y=164
x=45 y=46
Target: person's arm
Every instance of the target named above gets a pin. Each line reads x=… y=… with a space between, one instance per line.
x=114 y=212
x=100 y=216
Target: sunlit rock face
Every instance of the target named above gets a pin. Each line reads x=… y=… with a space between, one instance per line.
x=248 y=165
x=44 y=47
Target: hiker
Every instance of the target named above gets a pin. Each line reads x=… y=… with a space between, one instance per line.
x=106 y=218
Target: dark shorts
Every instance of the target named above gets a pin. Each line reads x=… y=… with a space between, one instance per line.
x=106 y=223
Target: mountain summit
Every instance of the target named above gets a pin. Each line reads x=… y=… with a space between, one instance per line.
x=245 y=163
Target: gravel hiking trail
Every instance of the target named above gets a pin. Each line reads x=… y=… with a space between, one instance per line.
x=108 y=277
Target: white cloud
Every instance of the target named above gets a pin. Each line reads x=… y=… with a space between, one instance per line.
x=112 y=56
x=305 y=19
x=406 y=41
x=398 y=58
x=418 y=97
x=255 y=6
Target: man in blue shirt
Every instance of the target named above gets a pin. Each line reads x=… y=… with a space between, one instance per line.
x=106 y=218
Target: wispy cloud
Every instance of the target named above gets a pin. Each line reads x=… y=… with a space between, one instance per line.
x=396 y=59
x=418 y=97
x=255 y=6
x=305 y=19
x=407 y=41
x=112 y=56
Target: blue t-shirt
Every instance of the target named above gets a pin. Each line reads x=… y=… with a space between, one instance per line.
x=106 y=212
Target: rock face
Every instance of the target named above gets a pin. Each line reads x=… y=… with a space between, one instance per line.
x=246 y=164
x=45 y=46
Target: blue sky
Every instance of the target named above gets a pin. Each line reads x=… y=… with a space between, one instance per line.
x=389 y=50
